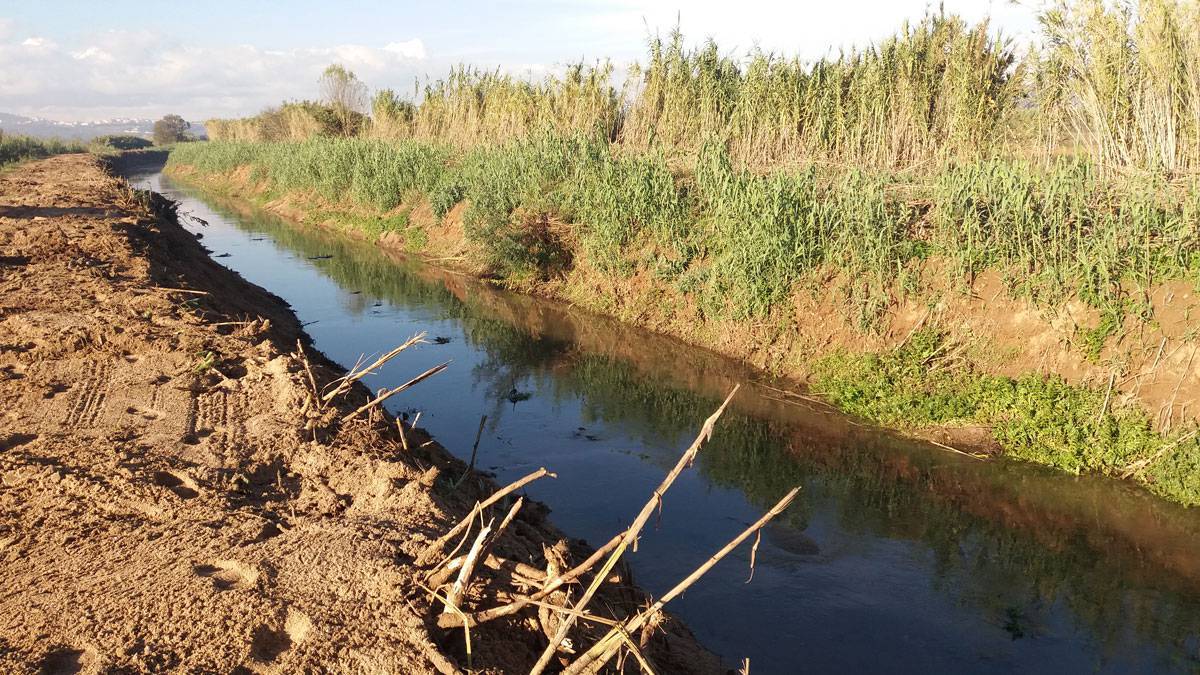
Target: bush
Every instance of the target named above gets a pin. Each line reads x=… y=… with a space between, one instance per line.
x=118 y=143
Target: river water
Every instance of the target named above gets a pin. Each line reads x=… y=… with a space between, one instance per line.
x=895 y=557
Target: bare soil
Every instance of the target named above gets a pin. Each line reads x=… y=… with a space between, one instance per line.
x=171 y=496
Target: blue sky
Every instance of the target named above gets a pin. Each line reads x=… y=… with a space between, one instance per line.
x=78 y=60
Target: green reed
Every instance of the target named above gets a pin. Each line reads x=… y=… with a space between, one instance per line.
x=15 y=148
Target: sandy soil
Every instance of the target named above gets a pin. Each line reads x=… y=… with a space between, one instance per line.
x=172 y=498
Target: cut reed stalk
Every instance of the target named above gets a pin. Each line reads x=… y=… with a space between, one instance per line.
x=437 y=546
x=388 y=393
x=632 y=533
x=595 y=658
x=343 y=384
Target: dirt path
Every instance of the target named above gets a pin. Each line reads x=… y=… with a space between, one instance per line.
x=170 y=496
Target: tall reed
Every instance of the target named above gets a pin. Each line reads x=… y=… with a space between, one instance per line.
x=1123 y=79
x=18 y=148
x=938 y=89
x=472 y=107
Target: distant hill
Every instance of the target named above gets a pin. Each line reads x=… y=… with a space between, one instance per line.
x=84 y=131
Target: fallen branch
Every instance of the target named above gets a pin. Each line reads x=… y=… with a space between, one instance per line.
x=388 y=393
x=403 y=436
x=631 y=534
x=551 y=586
x=343 y=384
x=178 y=290
x=454 y=595
x=312 y=381
x=437 y=546
x=595 y=658
x=520 y=571
x=474 y=451
x=1142 y=464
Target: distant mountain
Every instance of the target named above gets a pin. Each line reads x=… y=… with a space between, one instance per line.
x=33 y=126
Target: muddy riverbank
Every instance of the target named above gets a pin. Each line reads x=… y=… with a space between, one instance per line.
x=173 y=495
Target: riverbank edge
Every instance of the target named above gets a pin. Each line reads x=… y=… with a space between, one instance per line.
x=995 y=335
x=146 y=225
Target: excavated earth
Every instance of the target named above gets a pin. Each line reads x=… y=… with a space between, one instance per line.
x=172 y=495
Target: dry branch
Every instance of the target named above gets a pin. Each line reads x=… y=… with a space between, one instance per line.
x=631 y=534
x=437 y=546
x=343 y=384
x=551 y=586
x=600 y=653
x=454 y=595
x=388 y=393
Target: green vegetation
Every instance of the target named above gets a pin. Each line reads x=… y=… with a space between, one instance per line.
x=1071 y=171
x=1036 y=418
x=171 y=129
x=20 y=148
x=743 y=240
x=109 y=145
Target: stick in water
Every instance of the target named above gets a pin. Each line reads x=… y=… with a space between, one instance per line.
x=594 y=659
x=630 y=535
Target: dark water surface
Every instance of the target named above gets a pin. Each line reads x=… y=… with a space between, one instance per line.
x=895 y=557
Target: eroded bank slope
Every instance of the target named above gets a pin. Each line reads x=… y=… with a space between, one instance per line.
x=171 y=495
x=961 y=360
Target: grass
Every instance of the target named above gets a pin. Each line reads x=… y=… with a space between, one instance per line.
x=1037 y=418
x=21 y=148
x=117 y=143
x=743 y=240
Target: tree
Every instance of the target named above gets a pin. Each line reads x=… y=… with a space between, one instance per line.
x=346 y=95
x=171 y=129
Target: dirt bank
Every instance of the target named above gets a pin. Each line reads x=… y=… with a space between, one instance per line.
x=172 y=497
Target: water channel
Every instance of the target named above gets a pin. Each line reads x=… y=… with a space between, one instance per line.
x=897 y=556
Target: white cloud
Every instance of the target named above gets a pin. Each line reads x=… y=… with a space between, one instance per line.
x=410 y=49
x=93 y=52
x=145 y=74
x=806 y=29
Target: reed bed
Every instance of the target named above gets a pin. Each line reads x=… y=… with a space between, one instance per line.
x=1122 y=80
x=1071 y=171
x=937 y=89
x=741 y=240
x=16 y=148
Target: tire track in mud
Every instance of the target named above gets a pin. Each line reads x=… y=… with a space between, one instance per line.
x=90 y=398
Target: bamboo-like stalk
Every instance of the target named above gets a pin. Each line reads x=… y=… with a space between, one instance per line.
x=343 y=384
x=385 y=395
x=550 y=586
x=454 y=595
x=436 y=547
x=595 y=658
x=632 y=533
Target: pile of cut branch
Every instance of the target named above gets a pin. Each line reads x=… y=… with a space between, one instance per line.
x=471 y=573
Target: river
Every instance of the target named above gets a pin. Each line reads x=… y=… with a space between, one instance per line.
x=897 y=556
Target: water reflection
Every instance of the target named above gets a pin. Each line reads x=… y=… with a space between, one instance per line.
x=896 y=556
